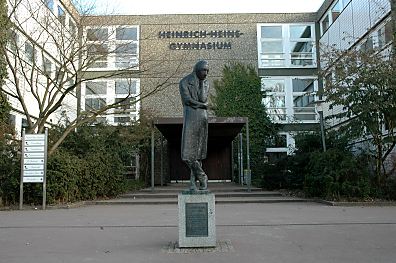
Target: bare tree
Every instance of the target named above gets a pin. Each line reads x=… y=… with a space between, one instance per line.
x=48 y=60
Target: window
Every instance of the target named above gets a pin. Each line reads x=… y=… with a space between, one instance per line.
x=325 y=24
x=61 y=15
x=47 y=66
x=336 y=10
x=122 y=119
x=297 y=32
x=303 y=85
x=59 y=75
x=272 y=46
x=49 y=4
x=125 y=54
x=126 y=33
x=303 y=99
x=126 y=105
x=96 y=88
x=30 y=52
x=126 y=49
x=98 y=55
x=97 y=34
x=131 y=163
x=274 y=101
x=94 y=103
x=385 y=34
x=367 y=45
x=301 y=45
x=100 y=120
x=113 y=47
x=286 y=45
x=125 y=87
x=280 y=140
x=72 y=28
x=290 y=98
x=24 y=125
x=14 y=39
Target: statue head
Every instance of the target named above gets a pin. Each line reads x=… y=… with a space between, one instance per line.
x=201 y=69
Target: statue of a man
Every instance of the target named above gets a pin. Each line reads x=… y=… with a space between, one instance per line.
x=194 y=89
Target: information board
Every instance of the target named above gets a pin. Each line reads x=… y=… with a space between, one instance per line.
x=33 y=162
x=33 y=158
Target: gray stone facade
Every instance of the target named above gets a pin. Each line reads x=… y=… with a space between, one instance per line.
x=166 y=51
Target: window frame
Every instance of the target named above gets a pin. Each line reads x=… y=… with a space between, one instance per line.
x=289 y=98
x=112 y=42
x=287 y=41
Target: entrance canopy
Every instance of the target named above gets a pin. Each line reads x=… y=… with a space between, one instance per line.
x=224 y=128
x=218 y=163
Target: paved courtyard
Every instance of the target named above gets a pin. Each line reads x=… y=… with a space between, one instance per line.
x=269 y=233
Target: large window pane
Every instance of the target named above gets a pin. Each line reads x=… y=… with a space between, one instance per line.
x=125 y=87
x=73 y=28
x=122 y=119
x=94 y=103
x=301 y=62
x=125 y=104
x=273 y=85
x=47 y=66
x=367 y=45
x=300 y=32
x=14 y=39
x=98 y=55
x=303 y=85
x=271 y=32
x=336 y=10
x=385 y=34
x=325 y=24
x=61 y=15
x=96 y=88
x=97 y=49
x=304 y=101
x=129 y=48
x=272 y=63
x=277 y=114
x=280 y=140
x=126 y=33
x=272 y=46
x=274 y=102
x=49 y=4
x=97 y=34
x=301 y=46
x=30 y=52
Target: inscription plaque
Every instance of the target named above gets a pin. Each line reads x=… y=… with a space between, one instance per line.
x=196 y=219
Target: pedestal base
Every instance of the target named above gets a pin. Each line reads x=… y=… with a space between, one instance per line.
x=197 y=225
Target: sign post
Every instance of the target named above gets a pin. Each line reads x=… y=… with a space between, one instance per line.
x=34 y=162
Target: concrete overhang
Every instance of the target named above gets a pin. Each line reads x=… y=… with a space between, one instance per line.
x=221 y=128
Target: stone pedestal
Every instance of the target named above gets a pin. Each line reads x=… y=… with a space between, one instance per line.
x=197 y=225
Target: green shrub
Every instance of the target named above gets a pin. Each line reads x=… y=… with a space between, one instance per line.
x=334 y=174
x=10 y=167
x=64 y=172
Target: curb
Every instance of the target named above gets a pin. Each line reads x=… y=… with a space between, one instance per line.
x=352 y=204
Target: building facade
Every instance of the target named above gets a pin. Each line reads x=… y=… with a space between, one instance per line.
x=138 y=60
x=42 y=34
x=354 y=24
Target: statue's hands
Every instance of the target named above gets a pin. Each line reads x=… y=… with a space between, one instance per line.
x=204 y=106
x=200 y=105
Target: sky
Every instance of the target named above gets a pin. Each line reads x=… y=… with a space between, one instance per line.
x=149 y=7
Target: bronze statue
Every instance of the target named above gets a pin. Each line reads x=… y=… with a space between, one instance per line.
x=194 y=89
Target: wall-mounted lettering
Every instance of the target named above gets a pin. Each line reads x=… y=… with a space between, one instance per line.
x=200 y=46
x=209 y=45
x=200 y=34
